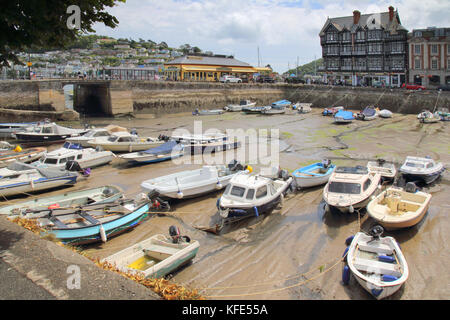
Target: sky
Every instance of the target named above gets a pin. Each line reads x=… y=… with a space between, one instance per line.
x=285 y=31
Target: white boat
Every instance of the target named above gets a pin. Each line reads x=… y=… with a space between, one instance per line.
x=8 y=129
x=428 y=117
x=91 y=134
x=167 y=151
x=154 y=257
x=5 y=146
x=25 y=181
x=32 y=208
x=86 y=157
x=47 y=133
x=302 y=107
x=207 y=112
x=350 y=188
x=274 y=110
x=251 y=195
x=193 y=183
x=125 y=142
x=238 y=107
x=369 y=113
x=313 y=175
x=206 y=143
x=425 y=169
x=397 y=208
x=385 y=113
x=377 y=263
x=386 y=169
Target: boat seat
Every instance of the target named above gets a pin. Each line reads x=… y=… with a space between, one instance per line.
x=377 y=267
x=58 y=223
x=405 y=205
x=89 y=218
x=375 y=247
x=161 y=249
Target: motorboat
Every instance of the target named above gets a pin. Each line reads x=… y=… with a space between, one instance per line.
x=207 y=112
x=444 y=114
x=385 y=113
x=386 y=169
x=21 y=155
x=331 y=111
x=278 y=107
x=7 y=129
x=30 y=179
x=238 y=107
x=313 y=175
x=302 y=107
x=282 y=103
x=156 y=256
x=125 y=142
x=376 y=262
x=350 y=188
x=427 y=116
x=424 y=169
x=193 y=183
x=206 y=143
x=167 y=151
x=86 y=157
x=47 y=133
x=34 y=208
x=343 y=116
x=81 y=225
x=397 y=208
x=369 y=113
x=91 y=134
x=250 y=195
x=255 y=109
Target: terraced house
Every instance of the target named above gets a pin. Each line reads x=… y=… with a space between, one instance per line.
x=365 y=49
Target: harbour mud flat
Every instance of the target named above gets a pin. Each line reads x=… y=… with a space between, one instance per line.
x=288 y=253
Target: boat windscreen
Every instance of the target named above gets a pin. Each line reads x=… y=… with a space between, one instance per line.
x=344 y=187
x=237 y=191
x=414 y=165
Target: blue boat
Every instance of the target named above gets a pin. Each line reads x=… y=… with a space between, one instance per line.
x=281 y=103
x=313 y=175
x=167 y=151
x=343 y=116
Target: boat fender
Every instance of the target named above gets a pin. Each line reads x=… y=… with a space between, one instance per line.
x=349 y=240
x=103 y=234
x=54 y=206
x=345 y=252
x=218 y=203
x=346 y=275
x=376 y=292
x=179 y=195
x=387 y=259
x=218 y=185
x=388 y=278
x=351 y=209
x=256 y=211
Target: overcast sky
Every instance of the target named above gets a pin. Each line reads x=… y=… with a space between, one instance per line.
x=282 y=29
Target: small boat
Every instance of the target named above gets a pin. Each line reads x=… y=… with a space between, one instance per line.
x=32 y=208
x=350 y=188
x=125 y=142
x=444 y=114
x=91 y=134
x=274 y=109
x=206 y=143
x=5 y=146
x=155 y=257
x=343 y=116
x=92 y=223
x=86 y=157
x=385 y=113
x=302 y=107
x=47 y=133
x=313 y=175
x=167 y=151
x=197 y=112
x=387 y=170
x=331 y=111
x=254 y=110
x=238 y=107
x=8 y=129
x=428 y=117
x=193 y=183
x=397 y=208
x=21 y=155
x=282 y=103
x=425 y=169
x=377 y=263
x=31 y=179
x=369 y=113
x=251 y=195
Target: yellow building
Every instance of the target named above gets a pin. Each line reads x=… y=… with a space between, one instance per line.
x=207 y=68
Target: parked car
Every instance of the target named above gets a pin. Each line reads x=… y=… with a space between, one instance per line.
x=263 y=79
x=228 y=78
x=444 y=87
x=377 y=84
x=294 y=80
x=413 y=86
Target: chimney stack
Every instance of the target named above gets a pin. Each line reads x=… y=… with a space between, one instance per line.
x=356 y=16
x=391 y=13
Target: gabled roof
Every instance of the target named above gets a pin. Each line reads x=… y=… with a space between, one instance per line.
x=206 y=60
x=365 y=20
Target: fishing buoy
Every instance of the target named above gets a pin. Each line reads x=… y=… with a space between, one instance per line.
x=346 y=275
x=218 y=203
x=351 y=209
x=103 y=234
x=345 y=252
x=32 y=184
x=18 y=149
x=179 y=194
x=250 y=169
x=349 y=240
x=218 y=185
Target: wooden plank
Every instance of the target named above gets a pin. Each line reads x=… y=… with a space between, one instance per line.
x=375 y=247
x=377 y=267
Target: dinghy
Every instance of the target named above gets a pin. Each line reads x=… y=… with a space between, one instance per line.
x=313 y=175
x=397 y=208
x=302 y=107
x=31 y=179
x=274 y=109
x=98 y=195
x=125 y=142
x=92 y=223
x=251 y=195
x=377 y=263
x=428 y=117
x=385 y=113
x=369 y=113
x=343 y=116
x=254 y=110
x=21 y=155
x=86 y=157
x=387 y=170
x=47 y=133
x=206 y=143
x=331 y=111
x=350 y=188
x=193 y=183
x=424 y=169
x=91 y=134
x=444 y=114
x=197 y=112
x=167 y=151
x=155 y=257
x=238 y=107
x=282 y=103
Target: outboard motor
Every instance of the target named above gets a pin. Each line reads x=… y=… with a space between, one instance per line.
x=283 y=174
x=381 y=162
x=235 y=165
x=174 y=233
x=326 y=163
x=133 y=131
x=74 y=166
x=375 y=232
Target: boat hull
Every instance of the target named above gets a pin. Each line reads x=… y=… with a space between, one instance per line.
x=125 y=147
x=37 y=185
x=150 y=158
x=26 y=157
x=304 y=179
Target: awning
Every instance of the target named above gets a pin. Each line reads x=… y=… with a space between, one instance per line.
x=217 y=69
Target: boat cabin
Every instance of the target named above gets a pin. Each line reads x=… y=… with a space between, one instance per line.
x=348 y=180
x=246 y=188
x=69 y=151
x=419 y=163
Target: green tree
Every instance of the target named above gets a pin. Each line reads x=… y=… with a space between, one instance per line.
x=28 y=24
